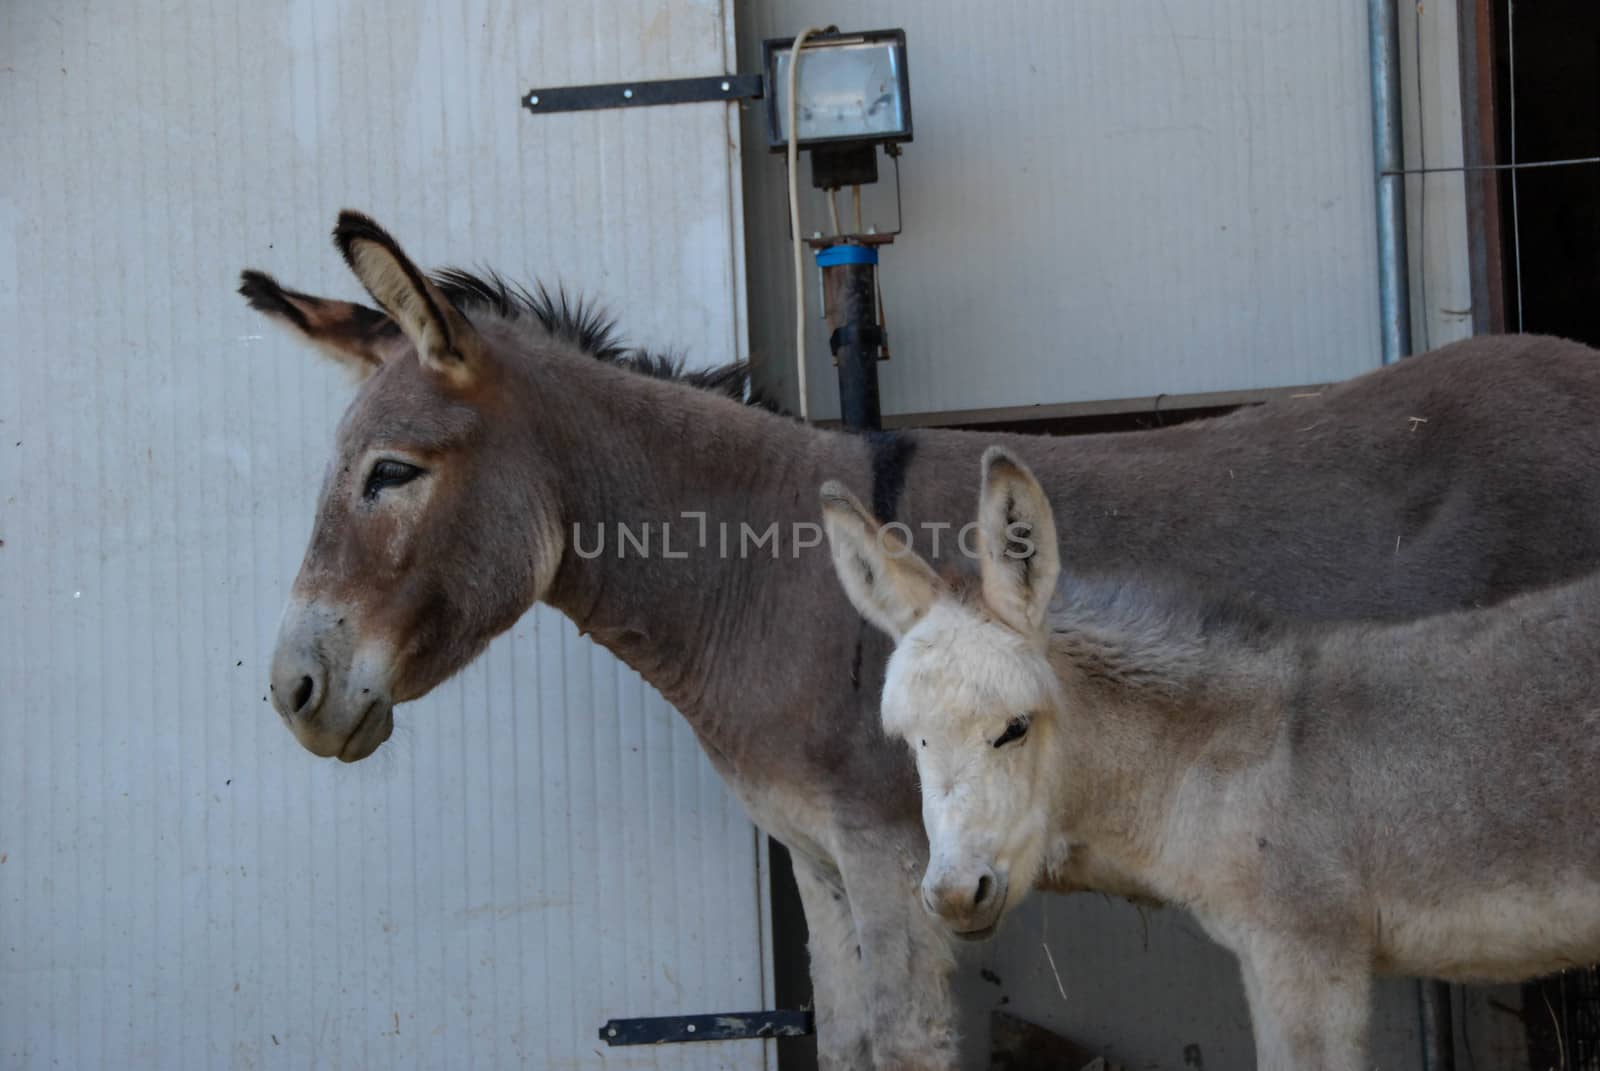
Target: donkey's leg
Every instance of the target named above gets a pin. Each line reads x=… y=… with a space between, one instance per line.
x=1309 y=1004
x=908 y=960
x=839 y=995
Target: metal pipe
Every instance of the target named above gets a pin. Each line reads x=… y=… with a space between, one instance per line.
x=850 y=298
x=1394 y=311
x=1388 y=150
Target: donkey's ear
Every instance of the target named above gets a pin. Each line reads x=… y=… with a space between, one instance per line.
x=1019 y=560
x=445 y=342
x=357 y=337
x=888 y=583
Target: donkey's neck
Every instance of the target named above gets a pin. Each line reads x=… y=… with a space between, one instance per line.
x=1168 y=698
x=692 y=546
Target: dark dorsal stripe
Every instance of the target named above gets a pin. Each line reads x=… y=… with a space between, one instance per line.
x=891 y=456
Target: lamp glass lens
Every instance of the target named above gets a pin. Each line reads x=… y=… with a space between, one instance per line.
x=848 y=90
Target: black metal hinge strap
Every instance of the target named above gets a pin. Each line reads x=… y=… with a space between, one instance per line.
x=734 y=1026
x=644 y=94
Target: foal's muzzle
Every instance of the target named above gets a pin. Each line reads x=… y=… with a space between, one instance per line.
x=969 y=901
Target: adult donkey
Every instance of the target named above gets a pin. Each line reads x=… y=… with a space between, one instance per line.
x=486 y=436
x=1329 y=801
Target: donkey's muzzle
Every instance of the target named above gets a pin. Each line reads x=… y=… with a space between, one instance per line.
x=969 y=901
x=334 y=702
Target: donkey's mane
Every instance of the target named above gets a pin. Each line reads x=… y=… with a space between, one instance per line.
x=1132 y=632
x=1118 y=602
x=584 y=325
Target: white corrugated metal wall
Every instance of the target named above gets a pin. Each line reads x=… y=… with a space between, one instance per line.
x=542 y=846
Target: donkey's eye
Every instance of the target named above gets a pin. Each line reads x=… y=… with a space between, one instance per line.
x=388 y=473
x=1016 y=729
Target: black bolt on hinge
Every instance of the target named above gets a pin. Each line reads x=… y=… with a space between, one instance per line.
x=733 y=1026
x=645 y=94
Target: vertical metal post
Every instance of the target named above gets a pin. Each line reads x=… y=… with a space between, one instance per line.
x=1388 y=150
x=850 y=300
x=1394 y=311
x=1478 y=123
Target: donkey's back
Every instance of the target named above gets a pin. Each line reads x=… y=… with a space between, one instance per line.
x=1457 y=477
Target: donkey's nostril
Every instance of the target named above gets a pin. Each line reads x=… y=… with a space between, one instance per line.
x=302 y=694
x=985 y=888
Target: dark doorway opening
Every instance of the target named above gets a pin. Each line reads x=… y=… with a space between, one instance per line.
x=1549 y=217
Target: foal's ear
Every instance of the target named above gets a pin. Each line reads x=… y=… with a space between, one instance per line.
x=888 y=583
x=357 y=337
x=1019 y=560
x=445 y=342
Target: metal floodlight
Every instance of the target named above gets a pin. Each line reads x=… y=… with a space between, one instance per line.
x=853 y=94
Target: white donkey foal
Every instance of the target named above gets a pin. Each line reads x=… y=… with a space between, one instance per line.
x=1329 y=802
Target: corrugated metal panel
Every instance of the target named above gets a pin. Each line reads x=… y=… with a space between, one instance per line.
x=543 y=845
x=1105 y=199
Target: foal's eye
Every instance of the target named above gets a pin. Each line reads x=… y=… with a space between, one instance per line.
x=388 y=473
x=1016 y=729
